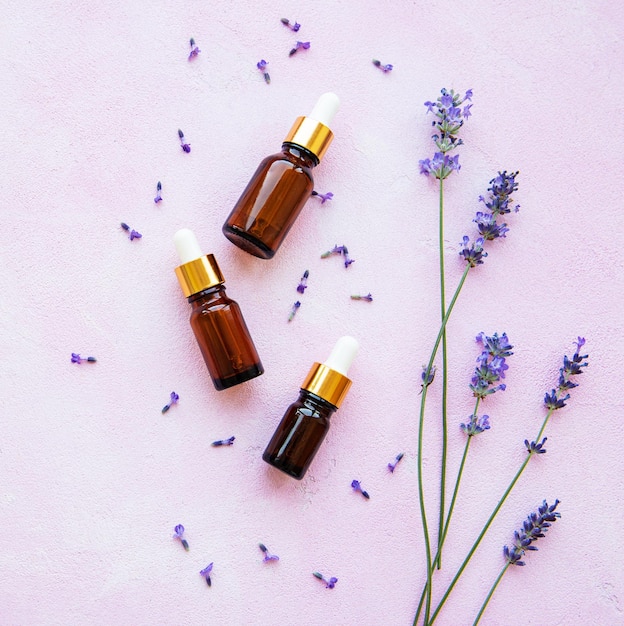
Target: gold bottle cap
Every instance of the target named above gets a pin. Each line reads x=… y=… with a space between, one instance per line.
x=327 y=383
x=311 y=135
x=199 y=274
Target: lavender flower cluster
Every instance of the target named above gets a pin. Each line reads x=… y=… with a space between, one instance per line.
x=533 y=528
x=450 y=118
x=498 y=203
x=491 y=365
x=571 y=367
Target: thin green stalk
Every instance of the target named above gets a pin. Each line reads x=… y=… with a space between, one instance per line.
x=444 y=378
x=489 y=595
x=423 y=397
x=475 y=545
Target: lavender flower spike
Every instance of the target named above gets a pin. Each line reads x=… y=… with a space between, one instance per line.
x=356 y=486
x=267 y=555
x=571 y=367
x=179 y=534
x=173 y=399
x=473 y=254
x=206 y=574
x=185 y=146
x=491 y=366
x=534 y=527
x=329 y=583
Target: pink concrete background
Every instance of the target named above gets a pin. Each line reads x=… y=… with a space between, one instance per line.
x=93 y=477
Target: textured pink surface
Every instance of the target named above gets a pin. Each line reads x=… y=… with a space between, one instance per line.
x=93 y=477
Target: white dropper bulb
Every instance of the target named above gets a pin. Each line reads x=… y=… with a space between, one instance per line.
x=325 y=108
x=187 y=246
x=343 y=354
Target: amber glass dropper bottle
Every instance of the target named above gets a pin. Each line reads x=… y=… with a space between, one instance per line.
x=282 y=184
x=306 y=421
x=216 y=320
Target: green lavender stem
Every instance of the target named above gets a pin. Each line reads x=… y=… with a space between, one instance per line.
x=489 y=595
x=423 y=397
x=451 y=508
x=444 y=379
x=475 y=545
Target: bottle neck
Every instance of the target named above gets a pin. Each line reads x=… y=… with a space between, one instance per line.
x=307 y=158
x=316 y=402
x=207 y=294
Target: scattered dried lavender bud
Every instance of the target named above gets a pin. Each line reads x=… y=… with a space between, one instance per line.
x=358 y=487
x=368 y=297
x=76 y=358
x=261 y=65
x=185 y=146
x=293 y=311
x=340 y=250
x=294 y=27
x=206 y=574
x=299 y=45
x=173 y=399
x=397 y=458
x=303 y=283
x=223 y=442
x=329 y=583
x=323 y=196
x=158 y=197
x=267 y=556
x=179 y=534
x=132 y=234
x=194 y=50
x=384 y=68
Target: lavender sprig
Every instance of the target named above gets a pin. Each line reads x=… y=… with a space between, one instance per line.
x=329 y=583
x=300 y=45
x=194 y=50
x=534 y=527
x=324 y=197
x=384 y=68
x=132 y=234
x=76 y=358
x=357 y=487
x=173 y=399
x=158 y=197
x=223 y=442
x=397 y=459
x=261 y=65
x=571 y=368
x=179 y=534
x=294 y=26
x=206 y=573
x=303 y=283
x=491 y=365
x=185 y=146
x=267 y=555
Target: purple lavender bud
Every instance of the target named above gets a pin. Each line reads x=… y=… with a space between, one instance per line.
x=206 y=573
x=384 y=68
x=185 y=146
x=76 y=358
x=223 y=442
x=300 y=44
x=303 y=283
x=158 y=197
x=397 y=459
x=133 y=234
x=329 y=583
x=173 y=399
x=356 y=485
x=261 y=65
x=368 y=297
x=323 y=196
x=267 y=556
x=294 y=27
x=125 y=226
x=293 y=311
x=194 y=50
x=179 y=534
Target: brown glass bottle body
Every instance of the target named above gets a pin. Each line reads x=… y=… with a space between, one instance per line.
x=299 y=434
x=223 y=338
x=271 y=202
